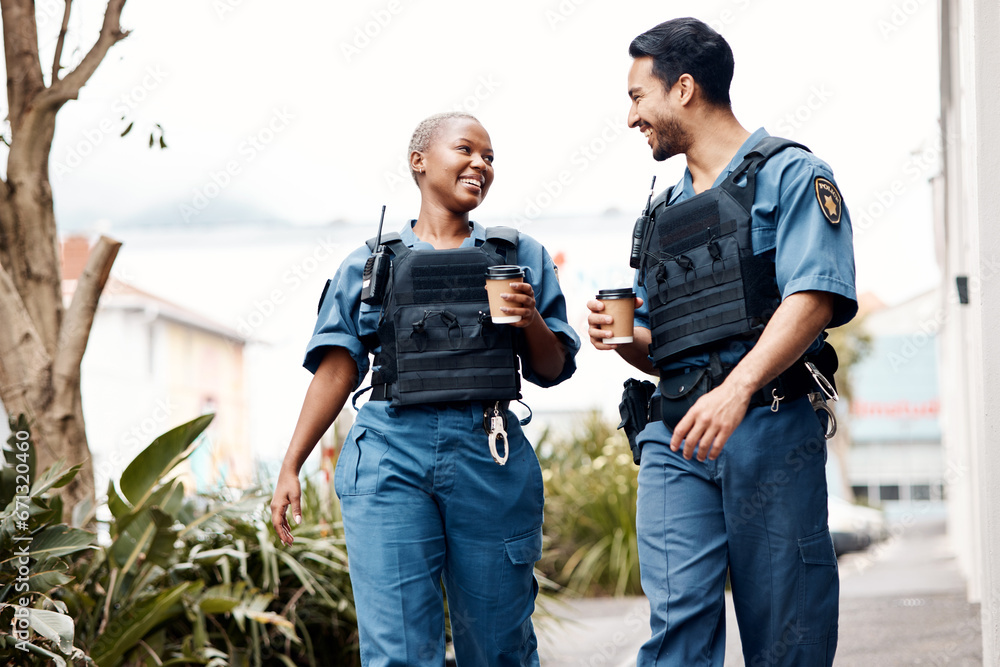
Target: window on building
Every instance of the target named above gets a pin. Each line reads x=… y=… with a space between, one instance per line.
x=860 y=493
x=920 y=492
x=888 y=492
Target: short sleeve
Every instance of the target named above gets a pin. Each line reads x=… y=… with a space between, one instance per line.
x=814 y=246
x=551 y=305
x=339 y=323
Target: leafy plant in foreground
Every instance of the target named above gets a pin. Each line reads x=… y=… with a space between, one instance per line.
x=590 y=493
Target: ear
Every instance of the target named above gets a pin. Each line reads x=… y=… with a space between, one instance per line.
x=684 y=88
x=417 y=162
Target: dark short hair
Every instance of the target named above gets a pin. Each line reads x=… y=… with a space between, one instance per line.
x=688 y=46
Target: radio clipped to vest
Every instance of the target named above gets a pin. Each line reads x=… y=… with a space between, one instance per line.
x=376 y=273
x=639 y=231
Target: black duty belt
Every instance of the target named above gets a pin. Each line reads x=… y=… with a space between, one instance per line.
x=794 y=383
x=383 y=392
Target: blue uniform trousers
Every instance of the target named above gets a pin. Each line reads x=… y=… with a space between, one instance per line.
x=424 y=504
x=758 y=511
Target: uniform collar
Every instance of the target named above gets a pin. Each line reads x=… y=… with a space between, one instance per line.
x=687 y=184
x=476 y=238
x=747 y=146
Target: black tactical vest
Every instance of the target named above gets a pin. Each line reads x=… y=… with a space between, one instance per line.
x=704 y=283
x=438 y=343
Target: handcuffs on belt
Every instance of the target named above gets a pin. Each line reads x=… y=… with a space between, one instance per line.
x=817 y=399
x=495 y=424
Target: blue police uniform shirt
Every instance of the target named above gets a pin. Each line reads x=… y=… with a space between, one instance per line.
x=343 y=319
x=810 y=252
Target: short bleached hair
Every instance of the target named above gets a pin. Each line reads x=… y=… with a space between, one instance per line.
x=424 y=134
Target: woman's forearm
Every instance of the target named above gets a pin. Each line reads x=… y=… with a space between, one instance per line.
x=333 y=382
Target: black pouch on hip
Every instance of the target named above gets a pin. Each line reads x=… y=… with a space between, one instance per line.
x=679 y=392
x=634 y=410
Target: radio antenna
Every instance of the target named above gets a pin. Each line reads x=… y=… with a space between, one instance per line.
x=378 y=239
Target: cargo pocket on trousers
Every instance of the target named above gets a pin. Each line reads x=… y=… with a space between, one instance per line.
x=514 y=602
x=358 y=464
x=819 y=589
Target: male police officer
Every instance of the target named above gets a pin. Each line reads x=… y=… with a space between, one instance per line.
x=741 y=267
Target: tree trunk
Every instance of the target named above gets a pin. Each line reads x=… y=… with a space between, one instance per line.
x=41 y=341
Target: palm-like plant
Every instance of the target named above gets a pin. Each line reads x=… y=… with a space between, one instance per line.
x=590 y=491
x=179 y=581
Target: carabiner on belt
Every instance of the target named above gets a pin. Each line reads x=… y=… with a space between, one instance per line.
x=825 y=385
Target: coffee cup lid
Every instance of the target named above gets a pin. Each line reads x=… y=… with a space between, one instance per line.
x=504 y=272
x=618 y=293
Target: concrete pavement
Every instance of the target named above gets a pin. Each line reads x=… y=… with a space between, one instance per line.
x=902 y=602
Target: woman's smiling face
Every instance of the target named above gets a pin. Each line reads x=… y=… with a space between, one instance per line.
x=457 y=165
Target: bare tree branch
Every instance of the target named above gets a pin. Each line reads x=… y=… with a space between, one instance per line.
x=69 y=87
x=60 y=42
x=75 y=331
x=24 y=71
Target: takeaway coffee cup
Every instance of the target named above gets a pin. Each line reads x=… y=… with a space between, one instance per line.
x=498 y=280
x=620 y=305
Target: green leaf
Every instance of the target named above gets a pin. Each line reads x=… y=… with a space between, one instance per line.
x=60 y=540
x=38 y=650
x=18 y=452
x=125 y=550
x=127 y=129
x=160 y=457
x=169 y=498
x=161 y=550
x=117 y=506
x=132 y=624
x=272 y=618
x=221 y=599
x=163 y=144
x=55 y=627
x=46 y=576
x=150 y=139
x=54 y=477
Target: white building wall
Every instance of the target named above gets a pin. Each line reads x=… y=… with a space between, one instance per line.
x=124 y=392
x=970 y=116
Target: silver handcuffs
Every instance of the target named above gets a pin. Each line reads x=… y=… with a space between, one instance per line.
x=818 y=399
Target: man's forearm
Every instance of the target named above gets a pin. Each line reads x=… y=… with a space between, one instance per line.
x=636 y=353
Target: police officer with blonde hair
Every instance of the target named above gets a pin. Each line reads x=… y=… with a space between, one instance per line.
x=437 y=483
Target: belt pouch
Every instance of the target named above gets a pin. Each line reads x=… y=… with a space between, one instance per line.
x=679 y=392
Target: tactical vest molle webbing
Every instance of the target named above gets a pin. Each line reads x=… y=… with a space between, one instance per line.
x=704 y=283
x=438 y=343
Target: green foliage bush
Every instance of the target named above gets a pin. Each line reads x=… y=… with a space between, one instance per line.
x=177 y=581
x=590 y=491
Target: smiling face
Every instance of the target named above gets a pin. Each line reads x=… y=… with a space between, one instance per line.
x=456 y=170
x=654 y=111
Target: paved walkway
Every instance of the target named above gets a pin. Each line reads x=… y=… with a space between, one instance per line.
x=902 y=603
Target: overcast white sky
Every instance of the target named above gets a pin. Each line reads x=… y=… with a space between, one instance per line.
x=302 y=111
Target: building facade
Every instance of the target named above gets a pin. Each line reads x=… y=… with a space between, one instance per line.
x=968 y=241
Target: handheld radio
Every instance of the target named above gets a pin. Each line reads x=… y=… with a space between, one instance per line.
x=639 y=231
x=376 y=271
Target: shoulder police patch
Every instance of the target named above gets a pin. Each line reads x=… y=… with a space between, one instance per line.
x=830 y=201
